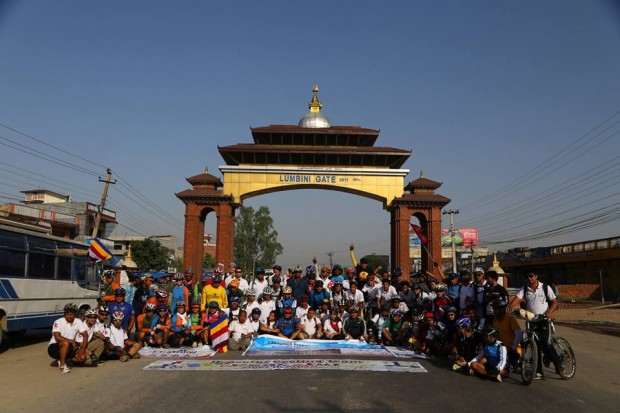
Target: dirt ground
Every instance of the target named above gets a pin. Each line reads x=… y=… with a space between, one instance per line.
x=584 y=312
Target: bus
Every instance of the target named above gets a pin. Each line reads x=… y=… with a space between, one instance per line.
x=39 y=274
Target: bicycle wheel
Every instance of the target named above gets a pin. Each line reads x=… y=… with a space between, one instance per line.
x=568 y=368
x=529 y=361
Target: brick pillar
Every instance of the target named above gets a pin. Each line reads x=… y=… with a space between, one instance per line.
x=224 y=250
x=399 y=223
x=191 y=258
x=433 y=230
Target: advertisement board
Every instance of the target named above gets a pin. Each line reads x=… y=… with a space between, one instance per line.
x=462 y=237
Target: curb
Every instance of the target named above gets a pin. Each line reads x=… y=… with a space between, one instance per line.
x=601 y=327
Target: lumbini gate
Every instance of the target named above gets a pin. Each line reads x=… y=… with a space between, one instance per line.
x=313 y=155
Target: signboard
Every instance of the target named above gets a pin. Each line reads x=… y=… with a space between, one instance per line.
x=462 y=237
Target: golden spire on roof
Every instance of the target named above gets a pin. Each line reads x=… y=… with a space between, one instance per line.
x=314 y=105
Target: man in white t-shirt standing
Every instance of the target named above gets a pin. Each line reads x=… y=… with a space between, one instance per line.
x=241 y=332
x=63 y=345
x=543 y=304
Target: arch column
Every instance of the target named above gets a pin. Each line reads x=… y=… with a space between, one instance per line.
x=225 y=248
x=400 y=217
x=192 y=246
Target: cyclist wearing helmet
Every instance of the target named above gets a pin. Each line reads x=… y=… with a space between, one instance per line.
x=110 y=284
x=195 y=325
x=251 y=302
x=233 y=290
x=214 y=291
x=255 y=321
x=496 y=292
x=318 y=294
x=453 y=287
x=465 y=347
x=332 y=327
x=144 y=322
x=465 y=291
x=63 y=345
x=118 y=344
x=481 y=292
x=119 y=304
x=324 y=275
x=337 y=293
x=179 y=293
x=337 y=274
x=287 y=324
x=259 y=283
x=235 y=308
x=441 y=302
x=287 y=300
x=392 y=331
x=160 y=326
x=354 y=326
x=179 y=326
x=342 y=310
x=267 y=305
x=491 y=361
x=298 y=285
x=144 y=293
x=302 y=308
x=430 y=339
x=377 y=322
x=96 y=339
x=355 y=298
x=360 y=267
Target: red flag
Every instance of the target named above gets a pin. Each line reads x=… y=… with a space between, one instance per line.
x=420 y=233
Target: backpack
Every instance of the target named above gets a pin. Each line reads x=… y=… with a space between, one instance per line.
x=544 y=288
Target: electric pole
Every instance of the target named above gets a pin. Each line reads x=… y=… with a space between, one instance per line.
x=104 y=196
x=452 y=233
x=331 y=256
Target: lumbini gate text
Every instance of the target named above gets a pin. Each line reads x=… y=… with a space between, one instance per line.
x=321 y=179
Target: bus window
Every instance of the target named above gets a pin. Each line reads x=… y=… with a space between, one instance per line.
x=40 y=265
x=12 y=263
x=79 y=267
x=44 y=245
x=64 y=268
x=12 y=240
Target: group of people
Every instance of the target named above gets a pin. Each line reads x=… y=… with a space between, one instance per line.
x=469 y=320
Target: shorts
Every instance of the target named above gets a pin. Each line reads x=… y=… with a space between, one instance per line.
x=54 y=351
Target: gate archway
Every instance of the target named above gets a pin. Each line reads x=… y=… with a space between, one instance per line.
x=313 y=155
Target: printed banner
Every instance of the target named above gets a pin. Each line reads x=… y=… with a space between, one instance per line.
x=185 y=352
x=278 y=346
x=275 y=364
x=406 y=353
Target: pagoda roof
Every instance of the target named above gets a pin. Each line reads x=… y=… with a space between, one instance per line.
x=332 y=136
x=204 y=179
x=422 y=183
x=305 y=155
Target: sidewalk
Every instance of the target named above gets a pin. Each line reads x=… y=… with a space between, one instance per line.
x=582 y=316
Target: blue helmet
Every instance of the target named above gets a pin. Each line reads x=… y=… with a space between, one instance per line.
x=397 y=272
x=463 y=322
x=259 y=270
x=120 y=291
x=310 y=270
x=337 y=267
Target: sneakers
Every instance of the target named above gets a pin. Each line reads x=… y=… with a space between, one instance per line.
x=166 y=345
x=124 y=358
x=539 y=377
x=194 y=344
x=64 y=369
x=145 y=345
x=472 y=372
x=136 y=356
x=499 y=378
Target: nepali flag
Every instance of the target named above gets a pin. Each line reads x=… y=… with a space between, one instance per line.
x=98 y=252
x=218 y=331
x=420 y=233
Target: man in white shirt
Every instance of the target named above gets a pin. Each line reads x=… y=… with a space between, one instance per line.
x=355 y=298
x=96 y=338
x=465 y=292
x=241 y=332
x=63 y=345
x=311 y=325
x=118 y=343
x=259 y=283
x=302 y=308
x=540 y=299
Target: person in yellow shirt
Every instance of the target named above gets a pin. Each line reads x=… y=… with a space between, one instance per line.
x=215 y=290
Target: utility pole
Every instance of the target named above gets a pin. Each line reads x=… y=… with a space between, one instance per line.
x=331 y=256
x=452 y=233
x=104 y=196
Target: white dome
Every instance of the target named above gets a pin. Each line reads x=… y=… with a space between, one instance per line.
x=314 y=120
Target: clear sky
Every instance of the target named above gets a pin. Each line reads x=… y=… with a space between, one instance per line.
x=495 y=99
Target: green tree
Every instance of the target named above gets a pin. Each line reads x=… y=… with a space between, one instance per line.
x=375 y=260
x=208 y=261
x=256 y=241
x=150 y=255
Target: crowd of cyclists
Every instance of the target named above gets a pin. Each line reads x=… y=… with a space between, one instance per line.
x=466 y=317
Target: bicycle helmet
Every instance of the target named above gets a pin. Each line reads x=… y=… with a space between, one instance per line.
x=287 y=290
x=336 y=267
x=91 y=311
x=490 y=331
x=217 y=278
x=162 y=307
x=267 y=290
x=397 y=313
x=397 y=272
x=354 y=309
x=234 y=283
x=429 y=315
x=103 y=308
x=288 y=310
x=463 y=323
x=179 y=277
x=256 y=310
x=259 y=270
x=120 y=291
x=147 y=275
x=161 y=293
x=478 y=270
x=451 y=309
x=310 y=270
x=395 y=296
x=275 y=279
x=70 y=308
x=363 y=275
x=251 y=291
x=304 y=298
x=318 y=283
x=341 y=303
x=181 y=303
x=214 y=304
x=235 y=299
x=351 y=270
x=118 y=316
x=150 y=307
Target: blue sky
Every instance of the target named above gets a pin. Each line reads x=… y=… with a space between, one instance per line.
x=482 y=92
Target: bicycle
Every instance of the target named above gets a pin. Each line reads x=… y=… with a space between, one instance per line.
x=532 y=353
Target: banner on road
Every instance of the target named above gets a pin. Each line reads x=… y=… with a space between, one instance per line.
x=278 y=346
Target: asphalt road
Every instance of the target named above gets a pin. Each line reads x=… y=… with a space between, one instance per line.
x=29 y=383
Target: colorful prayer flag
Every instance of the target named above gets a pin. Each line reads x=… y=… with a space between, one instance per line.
x=218 y=331
x=98 y=252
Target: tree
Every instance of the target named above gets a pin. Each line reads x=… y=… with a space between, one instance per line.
x=208 y=261
x=256 y=241
x=375 y=260
x=150 y=255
